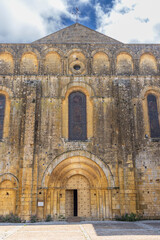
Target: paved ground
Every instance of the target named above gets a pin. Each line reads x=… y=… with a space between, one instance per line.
x=107 y=230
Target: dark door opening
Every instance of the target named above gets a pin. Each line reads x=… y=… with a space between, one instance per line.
x=75 y=198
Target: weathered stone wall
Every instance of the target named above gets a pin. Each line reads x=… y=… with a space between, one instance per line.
x=36 y=80
x=95 y=59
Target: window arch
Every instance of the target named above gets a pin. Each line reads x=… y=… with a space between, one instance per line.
x=153 y=116
x=77 y=116
x=2 y=113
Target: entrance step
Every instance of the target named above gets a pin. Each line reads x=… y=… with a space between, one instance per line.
x=74 y=219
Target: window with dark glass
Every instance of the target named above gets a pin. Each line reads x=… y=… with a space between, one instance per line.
x=2 y=110
x=77 y=116
x=153 y=116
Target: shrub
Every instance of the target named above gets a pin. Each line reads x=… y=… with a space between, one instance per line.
x=48 y=218
x=11 y=218
x=128 y=217
x=61 y=218
x=1 y=218
x=33 y=219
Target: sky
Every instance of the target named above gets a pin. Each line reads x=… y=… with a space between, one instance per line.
x=129 y=21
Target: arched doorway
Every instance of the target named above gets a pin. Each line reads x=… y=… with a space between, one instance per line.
x=77 y=199
x=78 y=186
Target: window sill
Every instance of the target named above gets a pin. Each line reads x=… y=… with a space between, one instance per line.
x=155 y=139
x=76 y=141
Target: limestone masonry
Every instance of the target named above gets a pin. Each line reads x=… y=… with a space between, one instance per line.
x=79 y=127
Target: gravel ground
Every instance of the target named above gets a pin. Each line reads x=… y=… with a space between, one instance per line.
x=106 y=230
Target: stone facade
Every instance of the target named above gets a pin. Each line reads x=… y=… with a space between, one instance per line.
x=116 y=170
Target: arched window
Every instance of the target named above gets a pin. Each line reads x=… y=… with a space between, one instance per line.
x=153 y=116
x=77 y=116
x=2 y=109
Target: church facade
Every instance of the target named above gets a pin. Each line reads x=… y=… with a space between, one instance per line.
x=79 y=127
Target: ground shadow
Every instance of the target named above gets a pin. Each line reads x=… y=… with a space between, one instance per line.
x=114 y=228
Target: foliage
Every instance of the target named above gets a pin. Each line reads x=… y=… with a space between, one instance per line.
x=33 y=219
x=61 y=217
x=129 y=217
x=10 y=218
x=48 y=218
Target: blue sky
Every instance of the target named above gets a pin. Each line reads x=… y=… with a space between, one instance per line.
x=129 y=21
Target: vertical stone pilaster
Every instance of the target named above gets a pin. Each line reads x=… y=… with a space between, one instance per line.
x=110 y=203
x=52 y=199
x=28 y=153
x=34 y=186
x=45 y=203
x=126 y=148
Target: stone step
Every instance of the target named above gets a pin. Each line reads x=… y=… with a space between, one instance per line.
x=74 y=219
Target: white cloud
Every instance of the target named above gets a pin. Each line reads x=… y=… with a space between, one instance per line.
x=126 y=21
x=28 y=20
x=130 y=20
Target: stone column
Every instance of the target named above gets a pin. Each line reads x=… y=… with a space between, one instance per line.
x=52 y=199
x=126 y=146
x=27 y=152
x=45 y=204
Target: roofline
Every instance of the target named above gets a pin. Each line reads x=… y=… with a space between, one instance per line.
x=100 y=33
x=80 y=25
x=52 y=33
x=100 y=43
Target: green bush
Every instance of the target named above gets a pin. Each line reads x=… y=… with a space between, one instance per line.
x=33 y=219
x=48 y=218
x=128 y=217
x=61 y=218
x=11 y=218
x=2 y=218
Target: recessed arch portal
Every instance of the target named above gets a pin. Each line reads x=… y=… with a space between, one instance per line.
x=85 y=179
x=81 y=166
x=81 y=154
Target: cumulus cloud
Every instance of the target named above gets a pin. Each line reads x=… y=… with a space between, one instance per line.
x=130 y=20
x=124 y=20
x=28 y=20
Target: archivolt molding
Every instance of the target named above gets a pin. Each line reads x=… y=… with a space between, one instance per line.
x=8 y=51
x=51 y=50
x=90 y=176
x=149 y=89
x=146 y=51
x=6 y=91
x=78 y=153
x=29 y=50
x=67 y=54
x=10 y=177
x=126 y=51
x=103 y=50
x=78 y=84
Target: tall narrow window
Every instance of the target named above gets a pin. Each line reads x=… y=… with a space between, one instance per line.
x=2 y=109
x=77 y=116
x=153 y=116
